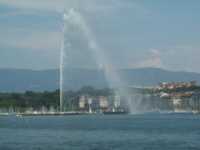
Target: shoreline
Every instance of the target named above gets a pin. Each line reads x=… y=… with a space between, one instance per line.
x=87 y=113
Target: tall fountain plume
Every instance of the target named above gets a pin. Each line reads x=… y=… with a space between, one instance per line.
x=62 y=64
x=77 y=32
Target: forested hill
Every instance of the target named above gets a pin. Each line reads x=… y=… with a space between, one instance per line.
x=18 y=80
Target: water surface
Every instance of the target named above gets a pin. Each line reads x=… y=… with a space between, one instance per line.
x=120 y=132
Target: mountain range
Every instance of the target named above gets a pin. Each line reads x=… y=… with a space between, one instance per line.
x=20 y=80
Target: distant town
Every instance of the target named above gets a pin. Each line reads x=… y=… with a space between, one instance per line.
x=166 y=97
x=171 y=97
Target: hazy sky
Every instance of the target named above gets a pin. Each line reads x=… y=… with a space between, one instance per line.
x=132 y=33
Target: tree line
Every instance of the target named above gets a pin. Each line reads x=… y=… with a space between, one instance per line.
x=47 y=99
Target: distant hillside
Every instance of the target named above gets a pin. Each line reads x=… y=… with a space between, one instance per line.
x=21 y=80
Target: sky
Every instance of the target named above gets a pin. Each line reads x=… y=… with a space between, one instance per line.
x=131 y=33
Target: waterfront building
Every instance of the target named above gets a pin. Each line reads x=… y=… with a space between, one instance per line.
x=82 y=102
x=175 y=85
x=103 y=102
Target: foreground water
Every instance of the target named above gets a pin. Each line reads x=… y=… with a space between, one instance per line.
x=128 y=132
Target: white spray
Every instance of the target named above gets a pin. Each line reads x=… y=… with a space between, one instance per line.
x=73 y=18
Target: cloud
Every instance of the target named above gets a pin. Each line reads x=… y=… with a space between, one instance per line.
x=36 y=12
x=85 y=5
x=31 y=40
x=153 y=59
x=118 y=25
x=46 y=5
x=182 y=57
x=29 y=49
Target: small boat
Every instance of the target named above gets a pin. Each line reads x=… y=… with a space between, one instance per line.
x=115 y=112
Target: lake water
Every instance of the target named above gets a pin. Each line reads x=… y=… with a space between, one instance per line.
x=117 y=132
